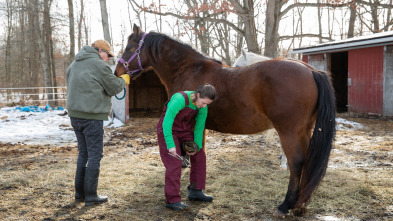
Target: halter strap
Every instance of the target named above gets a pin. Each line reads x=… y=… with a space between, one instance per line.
x=136 y=54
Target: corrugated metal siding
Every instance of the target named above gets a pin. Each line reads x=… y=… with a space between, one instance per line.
x=365 y=69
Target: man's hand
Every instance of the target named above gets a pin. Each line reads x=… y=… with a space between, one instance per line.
x=126 y=78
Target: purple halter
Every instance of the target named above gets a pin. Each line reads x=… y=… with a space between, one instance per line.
x=136 y=54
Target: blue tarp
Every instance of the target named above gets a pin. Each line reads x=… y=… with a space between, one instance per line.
x=38 y=109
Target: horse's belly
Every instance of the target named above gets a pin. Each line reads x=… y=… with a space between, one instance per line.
x=239 y=125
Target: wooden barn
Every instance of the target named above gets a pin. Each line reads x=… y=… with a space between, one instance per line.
x=362 y=72
x=146 y=93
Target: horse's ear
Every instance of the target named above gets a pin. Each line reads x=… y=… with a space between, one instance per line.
x=136 y=29
x=244 y=53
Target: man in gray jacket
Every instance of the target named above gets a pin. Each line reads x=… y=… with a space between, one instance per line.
x=90 y=85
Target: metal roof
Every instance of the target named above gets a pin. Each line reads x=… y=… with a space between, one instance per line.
x=379 y=39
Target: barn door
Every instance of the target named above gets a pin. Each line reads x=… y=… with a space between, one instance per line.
x=339 y=70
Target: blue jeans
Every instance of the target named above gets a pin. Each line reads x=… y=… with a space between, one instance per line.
x=90 y=136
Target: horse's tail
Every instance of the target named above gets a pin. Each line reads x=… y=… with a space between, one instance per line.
x=321 y=142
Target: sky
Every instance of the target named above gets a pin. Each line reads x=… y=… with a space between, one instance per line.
x=50 y=127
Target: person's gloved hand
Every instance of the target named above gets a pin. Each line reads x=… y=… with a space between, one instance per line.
x=126 y=78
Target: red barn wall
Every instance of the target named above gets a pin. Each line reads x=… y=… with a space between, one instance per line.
x=365 y=71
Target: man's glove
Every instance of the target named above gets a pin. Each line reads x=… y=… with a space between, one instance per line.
x=190 y=146
x=126 y=78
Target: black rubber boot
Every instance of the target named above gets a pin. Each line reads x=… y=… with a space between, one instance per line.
x=198 y=195
x=80 y=184
x=91 y=183
x=177 y=206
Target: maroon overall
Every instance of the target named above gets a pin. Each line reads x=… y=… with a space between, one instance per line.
x=182 y=131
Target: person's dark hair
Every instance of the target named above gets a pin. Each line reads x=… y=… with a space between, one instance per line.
x=206 y=91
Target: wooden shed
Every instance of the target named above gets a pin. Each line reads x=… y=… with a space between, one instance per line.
x=146 y=93
x=362 y=71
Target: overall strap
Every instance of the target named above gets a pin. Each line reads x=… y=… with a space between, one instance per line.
x=185 y=97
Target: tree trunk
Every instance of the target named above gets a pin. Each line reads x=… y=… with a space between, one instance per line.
x=50 y=53
x=33 y=67
x=374 y=16
x=239 y=37
x=200 y=26
x=105 y=25
x=271 y=30
x=352 y=19
x=22 y=46
x=43 y=53
x=247 y=15
x=8 y=43
x=388 y=19
x=72 y=30
x=80 y=25
x=319 y=23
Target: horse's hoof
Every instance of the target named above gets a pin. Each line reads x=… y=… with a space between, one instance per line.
x=279 y=214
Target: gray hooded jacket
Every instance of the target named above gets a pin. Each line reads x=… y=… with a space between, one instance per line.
x=90 y=85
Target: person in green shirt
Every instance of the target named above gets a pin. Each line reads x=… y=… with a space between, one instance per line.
x=183 y=120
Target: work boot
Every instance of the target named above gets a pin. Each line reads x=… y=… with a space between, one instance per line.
x=91 y=183
x=177 y=206
x=198 y=195
x=80 y=184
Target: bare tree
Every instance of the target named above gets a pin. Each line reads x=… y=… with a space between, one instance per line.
x=9 y=10
x=352 y=19
x=271 y=29
x=105 y=25
x=80 y=21
x=72 y=30
x=105 y=21
x=44 y=55
x=49 y=49
x=389 y=20
x=247 y=16
x=319 y=23
x=34 y=66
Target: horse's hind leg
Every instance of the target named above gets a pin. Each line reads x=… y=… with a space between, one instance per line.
x=295 y=150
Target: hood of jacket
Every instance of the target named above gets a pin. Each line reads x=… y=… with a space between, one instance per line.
x=87 y=52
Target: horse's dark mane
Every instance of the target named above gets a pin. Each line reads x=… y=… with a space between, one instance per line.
x=154 y=40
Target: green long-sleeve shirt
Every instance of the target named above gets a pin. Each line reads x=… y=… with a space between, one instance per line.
x=176 y=104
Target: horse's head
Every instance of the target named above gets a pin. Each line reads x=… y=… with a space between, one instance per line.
x=134 y=59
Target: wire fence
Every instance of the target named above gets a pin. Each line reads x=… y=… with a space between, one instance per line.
x=39 y=96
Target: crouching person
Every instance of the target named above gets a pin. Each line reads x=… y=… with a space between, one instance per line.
x=90 y=85
x=183 y=120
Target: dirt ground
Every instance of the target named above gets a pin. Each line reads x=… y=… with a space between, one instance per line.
x=36 y=181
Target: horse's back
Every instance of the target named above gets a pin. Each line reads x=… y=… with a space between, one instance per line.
x=256 y=97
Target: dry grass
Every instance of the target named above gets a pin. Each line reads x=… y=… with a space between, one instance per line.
x=36 y=182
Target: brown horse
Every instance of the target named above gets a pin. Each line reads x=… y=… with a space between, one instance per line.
x=291 y=96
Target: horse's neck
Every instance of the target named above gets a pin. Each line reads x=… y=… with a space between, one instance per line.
x=170 y=68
